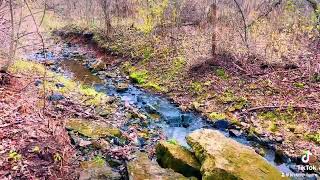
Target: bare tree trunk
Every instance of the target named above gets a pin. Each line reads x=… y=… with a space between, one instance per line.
x=245 y=37
x=43 y=51
x=12 y=39
x=214 y=27
x=106 y=12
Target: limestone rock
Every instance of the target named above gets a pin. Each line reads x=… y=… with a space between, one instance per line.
x=143 y=168
x=99 y=65
x=224 y=158
x=178 y=158
x=97 y=169
x=101 y=144
x=121 y=87
x=92 y=129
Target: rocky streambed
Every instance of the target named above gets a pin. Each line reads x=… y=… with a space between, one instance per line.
x=149 y=137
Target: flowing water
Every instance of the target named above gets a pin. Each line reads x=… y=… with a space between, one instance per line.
x=175 y=123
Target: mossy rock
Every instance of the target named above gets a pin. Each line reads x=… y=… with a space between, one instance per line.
x=178 y=158
x=101 y=144
x=111 y=75
x=143 y=168
x=121 y=87
x=215 y=116
x=97 y=169
x=92 y=129
x=99 y=65
x=225 y=158
x=107 y=110
x=97 y=162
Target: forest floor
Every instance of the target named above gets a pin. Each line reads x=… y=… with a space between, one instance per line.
x=37 y=142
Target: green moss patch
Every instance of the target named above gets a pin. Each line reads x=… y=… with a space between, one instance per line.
x=315 y=137
x=96 y=162
x=221 y=73
x=287 y=116
x=233 y=102
x=299 y=84
x=196 y=87
x=139 y=77
x=215 y=116
x=173 y=141
x=153 y=85
x=92 y=129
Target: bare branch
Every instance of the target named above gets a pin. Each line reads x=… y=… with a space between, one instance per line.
x=245 y=38
x=265 y=14
x=44 y=12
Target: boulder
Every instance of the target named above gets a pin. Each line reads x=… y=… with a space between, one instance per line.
x=56 y=97
x=91 y=129
x=101 y=144
x=235 y=133
x=224 y=158
x=221 y=124
x=143 y=168
x=59 y=85
x=111 y=75
x=97 y=169
x=99 y=65
x=105 y=111
x=37 y=82
x=121 y=87
x=186 y=120
x=178 y=158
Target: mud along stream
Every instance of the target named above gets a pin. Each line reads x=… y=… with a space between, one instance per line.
x=163 y=116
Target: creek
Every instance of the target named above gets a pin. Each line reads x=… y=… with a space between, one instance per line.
x=173 y=122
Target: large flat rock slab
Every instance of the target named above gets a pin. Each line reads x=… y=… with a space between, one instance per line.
x=92 y=129
x=225 y=158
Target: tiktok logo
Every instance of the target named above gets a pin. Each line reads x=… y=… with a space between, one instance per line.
x=306 y=157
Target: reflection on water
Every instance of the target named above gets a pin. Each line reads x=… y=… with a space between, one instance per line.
x=79 y=73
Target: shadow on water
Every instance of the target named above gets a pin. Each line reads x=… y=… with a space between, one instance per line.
x=175 y=123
